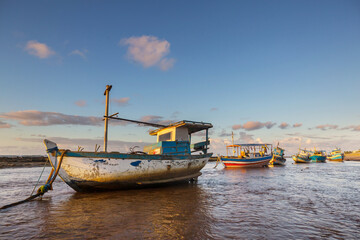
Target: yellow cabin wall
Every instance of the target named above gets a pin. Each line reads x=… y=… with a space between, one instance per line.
x=167 y=130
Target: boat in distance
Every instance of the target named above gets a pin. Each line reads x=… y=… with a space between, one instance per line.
x=336 y=155
x=302 y=157
x=318 y=156
x=278 y=157
x=171 y=159
x=247 y=155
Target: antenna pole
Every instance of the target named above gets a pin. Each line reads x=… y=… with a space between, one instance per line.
x=232 y=140
x=106 y=93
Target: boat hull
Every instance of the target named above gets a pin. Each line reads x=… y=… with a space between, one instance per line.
x=301 y=159
x=238 y=162
x=318 y=158
x=89 y=171
x=336 y=158
x=277 y=160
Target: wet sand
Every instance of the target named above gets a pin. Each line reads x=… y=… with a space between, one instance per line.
x=23 y=161
x=295 y=201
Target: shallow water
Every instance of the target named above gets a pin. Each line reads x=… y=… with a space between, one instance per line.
x=309 y=201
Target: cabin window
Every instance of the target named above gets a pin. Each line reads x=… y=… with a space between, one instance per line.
x=165 y=137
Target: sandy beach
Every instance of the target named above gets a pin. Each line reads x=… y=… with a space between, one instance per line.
x=352 y=157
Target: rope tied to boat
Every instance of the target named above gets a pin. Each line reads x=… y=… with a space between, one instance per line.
x=44 y=188
x=48 y=185
x=218 y=160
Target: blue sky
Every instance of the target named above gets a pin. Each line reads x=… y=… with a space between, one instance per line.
x=269 y=71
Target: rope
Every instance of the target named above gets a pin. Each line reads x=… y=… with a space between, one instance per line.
x=218 y=160
x=44 y=188
x=47 y=159
x=23 y=201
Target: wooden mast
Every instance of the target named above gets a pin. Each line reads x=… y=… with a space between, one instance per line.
x=106 y=93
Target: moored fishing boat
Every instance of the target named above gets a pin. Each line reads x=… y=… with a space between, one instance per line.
x=247 y=155
x=336 y=155
x=169 y=160
x=302 y=156
x=318 y=156
x=278 y=157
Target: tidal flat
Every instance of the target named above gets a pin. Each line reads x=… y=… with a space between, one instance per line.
x=297 y=201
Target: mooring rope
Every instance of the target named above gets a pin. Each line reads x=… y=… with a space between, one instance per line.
x=47 y=159
x=44 y=188
x=218 y=160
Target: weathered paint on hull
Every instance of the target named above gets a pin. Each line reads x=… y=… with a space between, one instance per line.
x=336 y=158
x=315 y=158
x=235 y=162
x=277 y=161
x=107 y=171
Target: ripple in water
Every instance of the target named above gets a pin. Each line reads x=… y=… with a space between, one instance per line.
x=295 y=201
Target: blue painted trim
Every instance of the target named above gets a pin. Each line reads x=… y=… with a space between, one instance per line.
x=50 y=150
x=246 y=159
x=135 y=156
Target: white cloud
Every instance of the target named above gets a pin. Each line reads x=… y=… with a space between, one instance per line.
x=38 y=118
x=246 y=138
x=327 y=127
x=353 y=127
x=79 y=53
x=81 y=103
x=166 y=63
x=224 y=133
x=297 y=125
x=252 y=125
x=87 y=144
x=149 y=51
x=121 y=101
x=37 y=49
x=4 y=125
x=155 y=119
x=283 y=125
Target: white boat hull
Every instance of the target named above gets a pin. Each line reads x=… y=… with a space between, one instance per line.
x=88 y=171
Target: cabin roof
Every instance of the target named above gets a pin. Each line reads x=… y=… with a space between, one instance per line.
x=190 y=125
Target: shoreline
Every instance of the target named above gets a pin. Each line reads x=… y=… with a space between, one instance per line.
x=23 y=161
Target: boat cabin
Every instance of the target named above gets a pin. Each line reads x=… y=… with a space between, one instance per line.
x=175 y=139
x=249 y=150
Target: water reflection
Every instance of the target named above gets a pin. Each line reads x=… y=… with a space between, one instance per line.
x=292 y=202
x=171 y=212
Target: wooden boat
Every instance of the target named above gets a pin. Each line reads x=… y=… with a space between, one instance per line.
x=278 y=157
x=336 y=155
x=169 y=160
x=318 y=156
x=247 y=155
x=302 y=157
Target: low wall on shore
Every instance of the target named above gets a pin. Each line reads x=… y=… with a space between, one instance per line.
x=23 y=161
